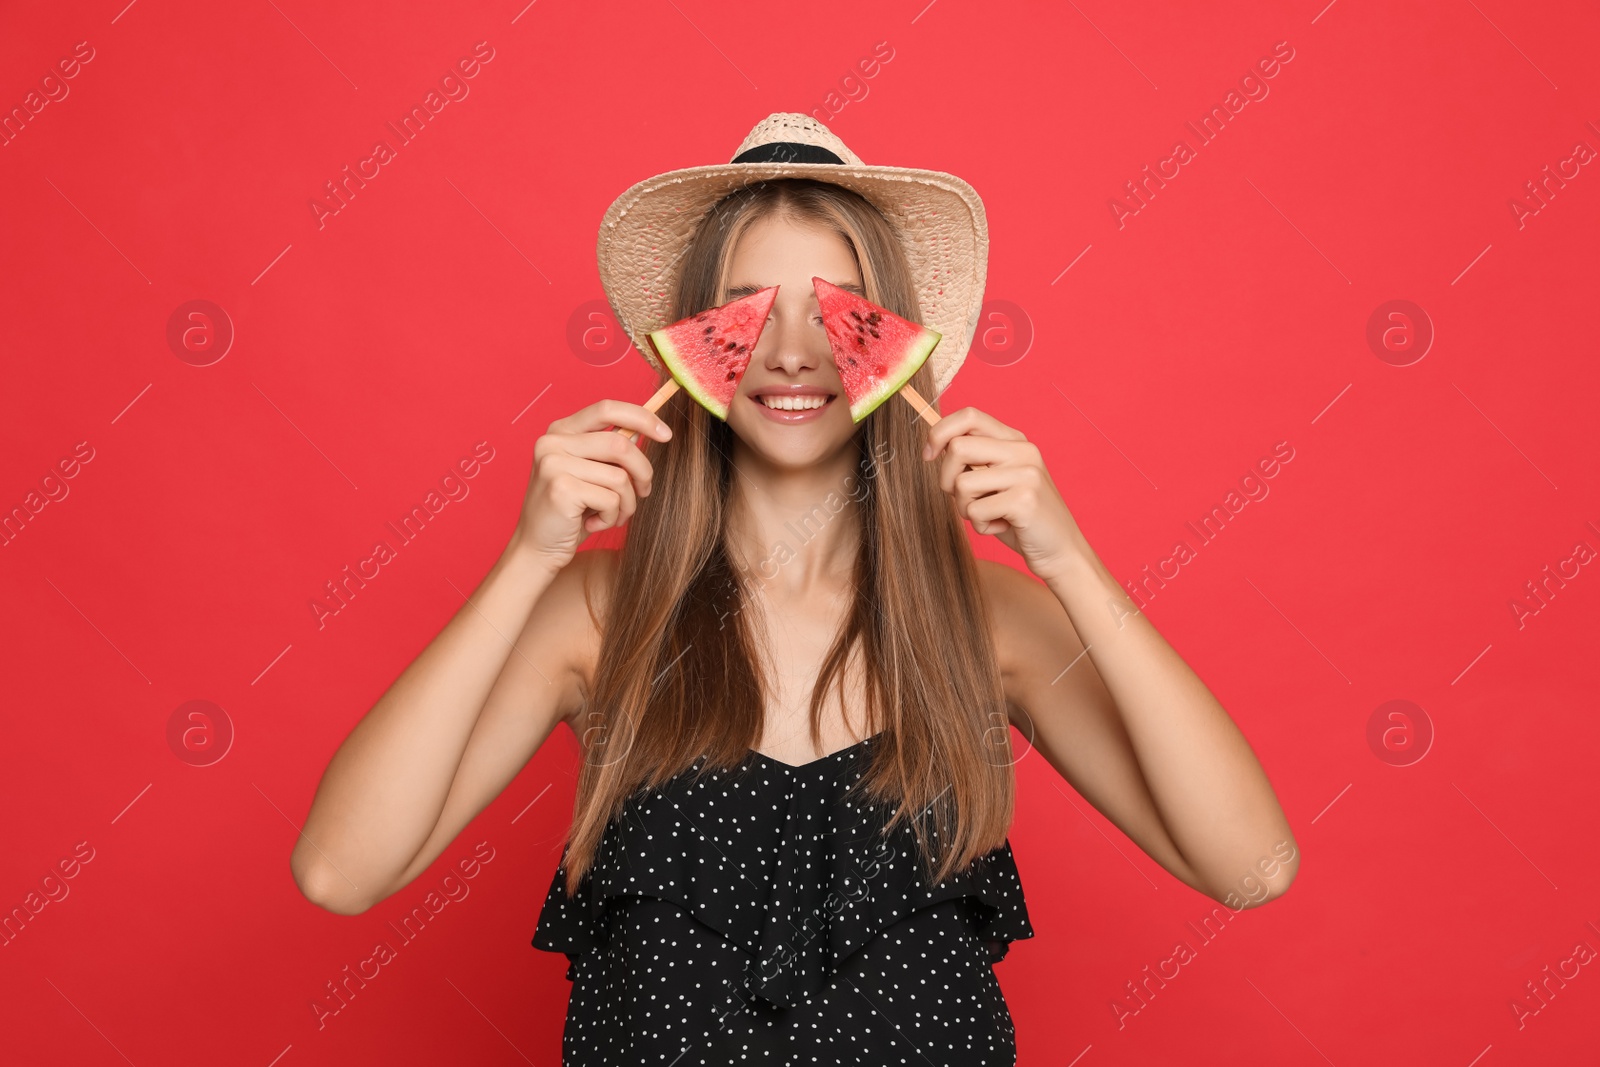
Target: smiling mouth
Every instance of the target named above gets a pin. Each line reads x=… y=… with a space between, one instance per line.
x=779 y=402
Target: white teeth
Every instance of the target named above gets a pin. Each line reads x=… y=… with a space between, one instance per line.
x=793 y=403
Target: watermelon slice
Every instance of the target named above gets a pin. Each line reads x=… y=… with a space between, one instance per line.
x=707 y=353
x=875 y=350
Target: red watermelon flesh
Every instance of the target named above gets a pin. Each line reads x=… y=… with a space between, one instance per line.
x=875 y=350
x=708 y=352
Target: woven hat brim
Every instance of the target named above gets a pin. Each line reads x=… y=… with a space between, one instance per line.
x=939 y=217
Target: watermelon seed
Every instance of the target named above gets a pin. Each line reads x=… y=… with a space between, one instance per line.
x=855 y=315
x=874 y=333
x=731 y=345
x=874 y=317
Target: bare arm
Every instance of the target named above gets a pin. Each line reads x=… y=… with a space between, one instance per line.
x=1162 y=760
x=473 y=707
x=1110 y=704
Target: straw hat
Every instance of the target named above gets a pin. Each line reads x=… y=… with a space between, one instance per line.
x=939 y=217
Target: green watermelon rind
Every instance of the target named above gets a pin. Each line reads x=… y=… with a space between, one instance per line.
x=674 y=363
x=915 y=356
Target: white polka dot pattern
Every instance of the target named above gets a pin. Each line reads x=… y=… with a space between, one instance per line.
x=760 y=915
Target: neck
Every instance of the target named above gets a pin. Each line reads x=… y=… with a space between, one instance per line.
x=795 y=529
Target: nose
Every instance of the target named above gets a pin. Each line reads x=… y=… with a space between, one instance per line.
x=791 y=342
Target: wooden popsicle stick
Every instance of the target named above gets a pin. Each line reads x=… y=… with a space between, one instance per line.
x=930 y=416
x=652 y=405
x=925 y=409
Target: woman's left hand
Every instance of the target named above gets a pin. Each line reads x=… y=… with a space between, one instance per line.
x=1012 y=497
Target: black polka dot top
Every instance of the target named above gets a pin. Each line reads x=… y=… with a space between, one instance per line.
x=760 y=916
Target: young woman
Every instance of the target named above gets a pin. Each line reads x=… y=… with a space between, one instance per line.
x=794 y=686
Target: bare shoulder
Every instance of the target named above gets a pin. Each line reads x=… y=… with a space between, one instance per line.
x=1031 y=629
x=572 y=612
x=1011 y=598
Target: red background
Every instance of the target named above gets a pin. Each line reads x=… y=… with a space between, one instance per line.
x=1229 y=314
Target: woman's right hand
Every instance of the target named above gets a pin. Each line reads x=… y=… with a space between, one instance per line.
x=586 y=478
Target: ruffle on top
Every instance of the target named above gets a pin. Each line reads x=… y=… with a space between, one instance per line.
x=778 y=860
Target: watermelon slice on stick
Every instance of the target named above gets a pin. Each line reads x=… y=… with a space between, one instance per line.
x=875 y=350
x=708 y=352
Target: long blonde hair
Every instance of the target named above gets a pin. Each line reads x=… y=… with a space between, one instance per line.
x=678 y=675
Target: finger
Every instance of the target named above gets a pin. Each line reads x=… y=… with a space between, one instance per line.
x=992 y=514
x=613 y=448
x=606 y=515
x=575 y=497
x=604 y=414
x=973 y=484
x=613 y=478
x=967 y=420
x=968 y=451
